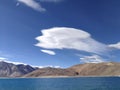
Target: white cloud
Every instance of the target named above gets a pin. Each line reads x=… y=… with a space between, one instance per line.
x=48 y=66
x=2 y=58
x=48 y=52
x=69 y=38
x=117 y=45
x=51 y=0
x=92 y=59
x=33 y=4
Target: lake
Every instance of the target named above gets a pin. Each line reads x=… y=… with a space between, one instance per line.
x=81 y=83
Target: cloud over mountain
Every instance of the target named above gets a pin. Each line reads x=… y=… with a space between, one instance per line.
x=8 y=61
x=2 y=58
x=92 y=59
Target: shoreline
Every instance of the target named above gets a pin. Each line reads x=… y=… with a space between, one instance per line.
x=56 y=77
x=70 y=77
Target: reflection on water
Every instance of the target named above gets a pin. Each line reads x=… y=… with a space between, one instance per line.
x=93 y=83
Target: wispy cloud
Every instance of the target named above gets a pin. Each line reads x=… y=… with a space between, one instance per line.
x=33 y=4
x=48 y=66
x=92 y=59
x=116 y=46
x=69 y=38
x=3 y=58
x=50 y=52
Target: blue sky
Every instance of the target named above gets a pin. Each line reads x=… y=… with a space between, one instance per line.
x=72 y=31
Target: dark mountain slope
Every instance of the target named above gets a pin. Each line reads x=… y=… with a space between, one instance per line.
x=12 y=70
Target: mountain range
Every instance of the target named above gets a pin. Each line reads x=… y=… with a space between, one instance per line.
x=87 y=69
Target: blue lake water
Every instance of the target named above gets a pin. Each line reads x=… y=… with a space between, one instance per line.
x=83 y=83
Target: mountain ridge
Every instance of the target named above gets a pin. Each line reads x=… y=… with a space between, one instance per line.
x=88 y=69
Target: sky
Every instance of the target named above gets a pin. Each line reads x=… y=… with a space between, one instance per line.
x=59 y=32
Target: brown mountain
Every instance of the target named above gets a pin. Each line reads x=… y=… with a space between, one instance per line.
x=88 y=69
x=50 y=72
x=97 y=69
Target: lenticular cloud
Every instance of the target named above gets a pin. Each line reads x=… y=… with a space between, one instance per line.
x=69 y=38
